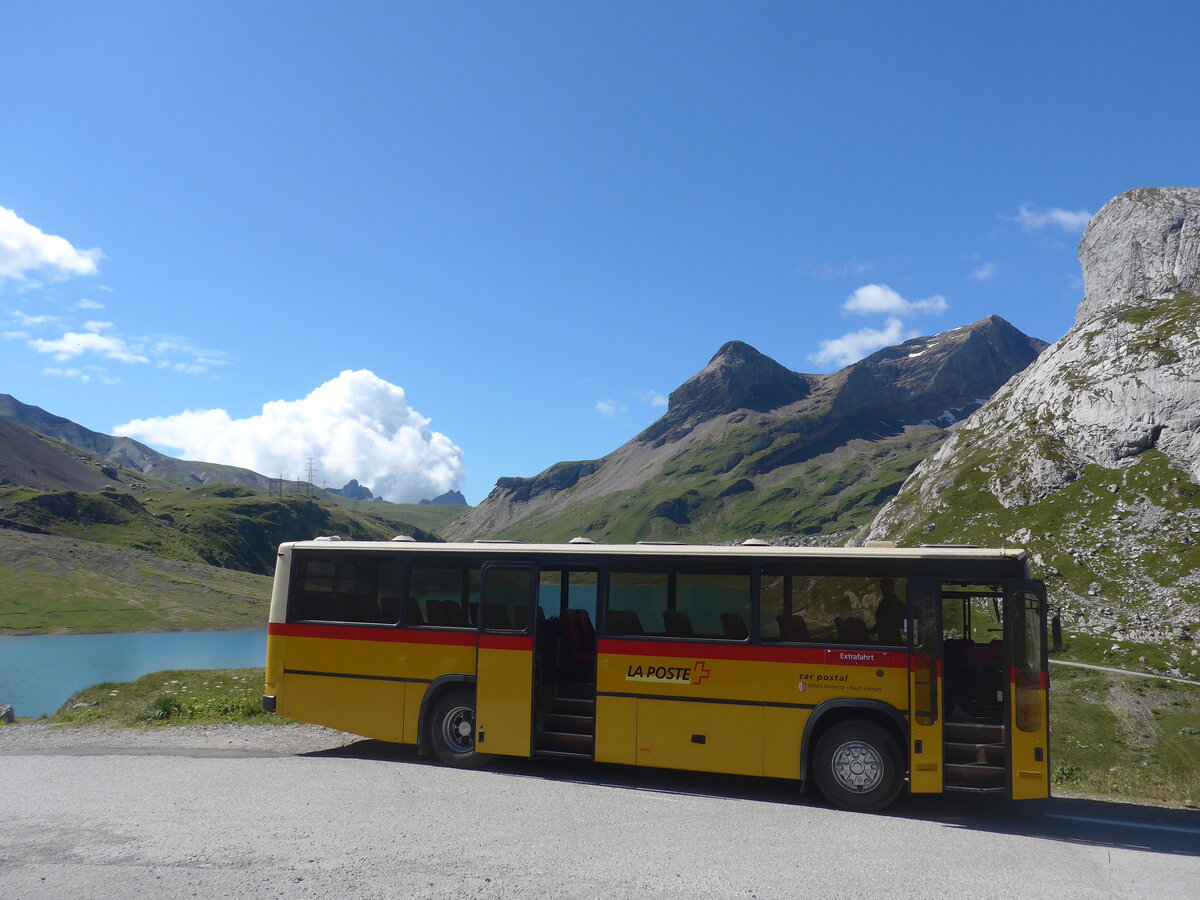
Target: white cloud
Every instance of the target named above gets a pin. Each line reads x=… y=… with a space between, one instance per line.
x=97 y=326
x=88 y=304
x=653 y=398
x=32 y=321
x=1034 y=219
x=610 y=408
x=85 y=375
x=69 y=373
x=857 y=344
x=985 y=272
x=14 y=335
x=875 y=299
x=25 y=248
x=74 y=344
x=354 y=426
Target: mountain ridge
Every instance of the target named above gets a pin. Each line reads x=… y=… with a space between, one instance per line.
x=746 y=433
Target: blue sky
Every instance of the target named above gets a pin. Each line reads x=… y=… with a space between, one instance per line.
x=518 y=226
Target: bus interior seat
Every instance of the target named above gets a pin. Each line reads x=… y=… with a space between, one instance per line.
x=677 y=624
x=734 y=626
x=793 y=627
x=624 y=621
x=412 y=612
x=446 y=613
x=495 y=615
x=581 y=634
x=852 y=630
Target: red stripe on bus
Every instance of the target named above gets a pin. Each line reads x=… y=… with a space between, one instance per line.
x=826 y=656
x=385 y=635
x=505 y=642
x=1014 y=677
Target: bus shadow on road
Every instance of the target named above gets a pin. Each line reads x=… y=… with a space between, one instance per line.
x=1100 y=823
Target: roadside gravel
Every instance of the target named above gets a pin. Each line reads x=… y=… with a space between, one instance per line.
x=267 y=740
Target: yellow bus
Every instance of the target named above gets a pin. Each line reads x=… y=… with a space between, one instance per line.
x=862 y=670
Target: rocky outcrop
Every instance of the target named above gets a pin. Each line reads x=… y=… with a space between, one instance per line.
x=1144 y=244
x=450 y=498
x=1095 y=448
x=352 y=490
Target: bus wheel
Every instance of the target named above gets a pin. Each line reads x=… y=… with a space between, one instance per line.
x=452 y=731
x=857 y=766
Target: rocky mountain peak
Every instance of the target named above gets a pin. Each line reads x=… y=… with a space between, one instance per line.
x=941 y=378
x=1143 y=244
x=737 y=377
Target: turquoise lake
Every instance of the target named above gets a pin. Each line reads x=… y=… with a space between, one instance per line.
x=39 y=672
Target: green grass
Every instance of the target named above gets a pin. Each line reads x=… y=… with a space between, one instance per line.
x=191 y=697
x=54 y=584
x=1135 y=738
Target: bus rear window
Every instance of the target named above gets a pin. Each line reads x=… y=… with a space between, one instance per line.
x=345 y=587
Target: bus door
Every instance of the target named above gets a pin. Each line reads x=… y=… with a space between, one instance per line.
x=504 y=671
x=925 y=685
x=1027 y=701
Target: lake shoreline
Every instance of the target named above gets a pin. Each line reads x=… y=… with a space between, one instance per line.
x=67 y=631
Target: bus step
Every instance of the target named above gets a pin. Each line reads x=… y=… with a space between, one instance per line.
x=561 y=754
x=565 y=742
x=572 y=706
x=974 y=733
x=974 y=775
x=571 y=724
x=968 y=753
x=576 y=690
x=967 y=789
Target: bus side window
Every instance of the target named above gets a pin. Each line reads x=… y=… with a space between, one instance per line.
x=390 y=589
x=340 y=587
x=636 y=602
x=714 y=603
x=440 y=594
x=830 y=609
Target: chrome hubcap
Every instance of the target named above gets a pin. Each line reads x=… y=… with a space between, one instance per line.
x=858 y=767
x=459 y=729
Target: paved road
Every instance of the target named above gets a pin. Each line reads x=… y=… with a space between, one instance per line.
x=296 y=812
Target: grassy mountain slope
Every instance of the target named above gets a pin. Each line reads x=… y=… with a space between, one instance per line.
x=700 y=498
x=429 y=517
x=53 y=584
x=35 y=460
x=223 y=525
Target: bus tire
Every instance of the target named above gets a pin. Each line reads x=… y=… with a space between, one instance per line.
x=858 y=766
x=452 y=730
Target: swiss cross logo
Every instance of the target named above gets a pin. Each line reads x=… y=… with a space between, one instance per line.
x=699 y=672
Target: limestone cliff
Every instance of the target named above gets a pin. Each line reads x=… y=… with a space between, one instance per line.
x=1091 y=456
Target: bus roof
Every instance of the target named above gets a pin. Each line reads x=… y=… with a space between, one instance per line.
x=658 y=549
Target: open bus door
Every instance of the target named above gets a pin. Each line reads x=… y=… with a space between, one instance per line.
x=504 y=671
x=924 y=614
x=1027 y=688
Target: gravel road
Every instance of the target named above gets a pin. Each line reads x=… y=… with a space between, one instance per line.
x=298 y=811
